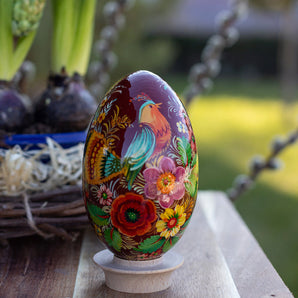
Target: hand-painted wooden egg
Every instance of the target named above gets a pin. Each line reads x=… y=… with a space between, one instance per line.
x=140 y=171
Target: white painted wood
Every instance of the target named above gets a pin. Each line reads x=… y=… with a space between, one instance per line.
x=205 y=272
x=89 y=278
x=252 y=272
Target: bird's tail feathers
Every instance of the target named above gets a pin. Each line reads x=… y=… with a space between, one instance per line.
x=110 y=166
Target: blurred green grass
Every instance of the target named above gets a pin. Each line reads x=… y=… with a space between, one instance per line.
x=234 y=122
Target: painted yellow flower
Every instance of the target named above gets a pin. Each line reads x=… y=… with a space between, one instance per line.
x=171 y=221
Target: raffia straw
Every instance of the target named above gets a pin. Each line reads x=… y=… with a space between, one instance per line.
x=25 y=171
x=30 y=219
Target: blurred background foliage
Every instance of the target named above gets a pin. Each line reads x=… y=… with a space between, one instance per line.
x=237 y=118
x=273 y=4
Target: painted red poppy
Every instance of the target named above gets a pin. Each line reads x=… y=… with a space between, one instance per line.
x=132 y=215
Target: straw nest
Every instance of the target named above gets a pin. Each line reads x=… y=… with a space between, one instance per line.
x=40 y=192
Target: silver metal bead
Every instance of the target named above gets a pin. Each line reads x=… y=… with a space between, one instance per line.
x=293 y=137
x=231 y=35
x=206 y=84
x=240 y=8
x=109 y=33
x=217 y=41
x=242 y=181
x=111 y=9
x=110 y=60
x=93 y=70
x=102 y=46
x=119 y=21
x=211 y=52
x=225 y=18
x=277 y=144
x=197 y=72
x=214 y=67
x=275 y=164
x=192 y=91
x=256 y=163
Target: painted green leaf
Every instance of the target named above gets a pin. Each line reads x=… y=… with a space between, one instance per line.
x=184 y=150
x=97 y=215
x=113 y=238
x=192 y=185
x=190 y=188
x=170 y=243
x=194 y=161
x=185 y=224
x=187 y=149
x=151 y=244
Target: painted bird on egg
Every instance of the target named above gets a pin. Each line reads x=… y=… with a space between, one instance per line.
x=140 y=168
x=151 y=136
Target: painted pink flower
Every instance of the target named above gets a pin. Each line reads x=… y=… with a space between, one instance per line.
x=104 y=195
x=166 y=183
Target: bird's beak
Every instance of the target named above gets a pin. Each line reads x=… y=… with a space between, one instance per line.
x=158 y=105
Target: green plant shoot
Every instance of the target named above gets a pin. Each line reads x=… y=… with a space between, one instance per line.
x=72 y=36
x=19 y=20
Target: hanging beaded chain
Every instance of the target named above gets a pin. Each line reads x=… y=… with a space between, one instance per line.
x=200 y=77
x=115 y=20
x=201 y=74
x=258 y=164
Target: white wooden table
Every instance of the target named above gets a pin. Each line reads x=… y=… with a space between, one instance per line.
x=222 y=259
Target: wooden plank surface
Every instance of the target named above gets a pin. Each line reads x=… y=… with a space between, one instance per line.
x=33 y=267
x=222 y=259
x=252 y=272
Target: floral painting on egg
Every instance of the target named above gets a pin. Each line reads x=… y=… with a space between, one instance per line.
x=140 y=171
